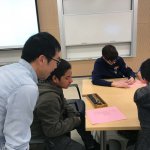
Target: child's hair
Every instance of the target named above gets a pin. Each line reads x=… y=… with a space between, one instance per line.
x=109 y=52
x=62 y=68
x=145 y=70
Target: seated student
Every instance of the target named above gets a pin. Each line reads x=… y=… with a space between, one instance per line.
x=54 y=117
x=142 y=100
x=109 y=66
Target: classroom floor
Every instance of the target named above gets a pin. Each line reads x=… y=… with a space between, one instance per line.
x=70 y=93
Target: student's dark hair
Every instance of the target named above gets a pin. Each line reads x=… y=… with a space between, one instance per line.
x=62 y=68
x=41 y=43
x=109 y=52
x=145 y=70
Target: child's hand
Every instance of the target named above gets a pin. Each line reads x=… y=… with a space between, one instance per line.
x=120 y=84
x=130 y=81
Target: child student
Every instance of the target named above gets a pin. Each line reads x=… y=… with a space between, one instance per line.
x=54 y=117
x=142 y=100
x=110 y=66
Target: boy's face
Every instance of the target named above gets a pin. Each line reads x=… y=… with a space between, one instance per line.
x=65 y=80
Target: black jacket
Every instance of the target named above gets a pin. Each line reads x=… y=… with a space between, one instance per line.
x=142 y=100
x=102 y=70
x=53 y=116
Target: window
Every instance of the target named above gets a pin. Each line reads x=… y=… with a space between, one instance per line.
x=19 y=21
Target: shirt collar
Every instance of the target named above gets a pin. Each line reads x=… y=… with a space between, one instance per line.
x=30 y=68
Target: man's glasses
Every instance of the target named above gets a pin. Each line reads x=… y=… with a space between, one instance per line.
x=58 y=61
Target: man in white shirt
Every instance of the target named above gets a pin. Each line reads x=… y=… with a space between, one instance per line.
x=19 y=92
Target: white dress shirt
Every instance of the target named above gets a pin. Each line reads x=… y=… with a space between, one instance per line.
x=18 y=96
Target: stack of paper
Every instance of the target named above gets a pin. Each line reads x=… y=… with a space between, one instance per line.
x=103 y=115
x=137 y=84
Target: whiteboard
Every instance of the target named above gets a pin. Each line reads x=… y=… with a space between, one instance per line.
x=92 y=6
x=98 y=28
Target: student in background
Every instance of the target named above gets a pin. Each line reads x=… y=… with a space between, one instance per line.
x=109 y=66
x=142 y=100
x=54 y=117
x=19 y=91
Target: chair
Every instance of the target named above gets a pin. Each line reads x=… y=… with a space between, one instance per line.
x=113 y=144
x=77 y=103
x=77 y=88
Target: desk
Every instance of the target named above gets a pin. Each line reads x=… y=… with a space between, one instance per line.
x=122 y=98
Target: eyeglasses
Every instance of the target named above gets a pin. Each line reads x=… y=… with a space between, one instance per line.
x=58 y=61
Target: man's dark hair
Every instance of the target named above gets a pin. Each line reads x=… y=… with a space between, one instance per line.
x=62 y=68
x=41 y=43
x=145 y=70
x=109 y=52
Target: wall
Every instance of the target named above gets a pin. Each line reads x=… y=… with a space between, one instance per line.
x=49 y=22
x=48 y=17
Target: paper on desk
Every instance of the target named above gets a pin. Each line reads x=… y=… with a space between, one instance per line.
x=137 y=84
x=103 y=115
